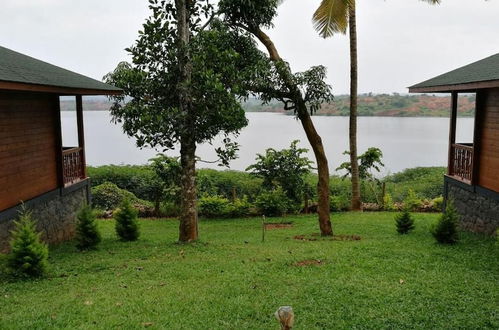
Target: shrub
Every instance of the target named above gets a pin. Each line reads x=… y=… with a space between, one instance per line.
x=241 y=207
x=339 y=203
x=28 y=256
x=169 y=209
x=445 y=230
x=273 y=203
x=87 y=233
x=438 y=203
x=404 y=222
x=127 y=227
x=214 y=206
x=412 y=202
x=388 y=204
x=109 y=196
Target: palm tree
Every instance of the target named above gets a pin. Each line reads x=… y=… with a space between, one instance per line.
x=335 y=16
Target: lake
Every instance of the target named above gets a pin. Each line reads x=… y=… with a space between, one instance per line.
x=405 y=142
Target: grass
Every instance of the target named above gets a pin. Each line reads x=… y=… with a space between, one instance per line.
x=232 y=280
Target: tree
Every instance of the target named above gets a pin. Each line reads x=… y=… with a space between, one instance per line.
x=335 y=16
x=368 y=161
x=183 y=87
x=127 y=227
x=167 y=172
x=28 y=256
x=404 y=222
x=87 y=232
x=445 y=230
x=285 y=168
x=302 y=93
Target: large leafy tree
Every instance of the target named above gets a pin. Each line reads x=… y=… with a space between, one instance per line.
x=183 y=88
x=332 y=17
x=302 y=92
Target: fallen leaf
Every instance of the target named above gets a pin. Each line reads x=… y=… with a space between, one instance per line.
x=88 y=303
x=147 y=324
x=401 y=281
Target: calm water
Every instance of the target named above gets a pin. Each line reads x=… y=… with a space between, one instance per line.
x=405 y=142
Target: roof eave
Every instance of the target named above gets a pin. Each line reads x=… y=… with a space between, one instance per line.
x=24 y=87
x=467 y=87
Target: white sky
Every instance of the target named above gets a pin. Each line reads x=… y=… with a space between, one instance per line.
x=401 y=42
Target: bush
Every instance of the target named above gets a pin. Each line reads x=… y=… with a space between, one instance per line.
x=241 y=207
x=109 y=196
x=412 y=202
x=445 y=230
x=127 y=227
x=28 y=256
x=214 y=207
x=87 y=233
x=339 y=203
x=388 y=204
x=272 y=203
x=438 y=203
x=169 y=209
x=404 y=222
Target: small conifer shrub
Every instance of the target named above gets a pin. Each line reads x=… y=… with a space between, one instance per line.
x=127 y=227
x=28 y=256
x=445 y=230
x=87 y=233
x=404 y=222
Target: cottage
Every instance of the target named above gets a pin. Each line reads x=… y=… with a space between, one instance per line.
x=472 y=179
x=35 y=167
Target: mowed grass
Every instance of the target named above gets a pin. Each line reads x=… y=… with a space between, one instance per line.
x=231 y=280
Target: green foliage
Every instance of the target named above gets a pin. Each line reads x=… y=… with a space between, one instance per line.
x=285 y=168
x=368 y=161
x=438 y=203
x=28 y=256
x=404 y=222
x=214 y=207
x=273 y=203
x=108 y=196
x=339 y=203
x=412 y=202
x=127 y=227
x=445 y=230
x=388 y=204
x=87 y=232
x=427 y=182
x=137 y=179
x=228 y=184
x=241 y=207
x=167 y=172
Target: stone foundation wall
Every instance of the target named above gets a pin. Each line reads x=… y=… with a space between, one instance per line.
x=478 y=212
x=55 y=216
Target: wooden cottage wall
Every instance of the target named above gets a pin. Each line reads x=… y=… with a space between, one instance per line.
x=28 y=144
x=488 y=174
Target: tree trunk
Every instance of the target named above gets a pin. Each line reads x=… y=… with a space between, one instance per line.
x=356 y=200
x=313 y=137
x=188 y=229
x=322 y=169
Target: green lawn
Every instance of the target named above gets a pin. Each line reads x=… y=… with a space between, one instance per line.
x=231 y=280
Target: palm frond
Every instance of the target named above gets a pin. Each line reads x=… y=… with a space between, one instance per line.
x=332 y=17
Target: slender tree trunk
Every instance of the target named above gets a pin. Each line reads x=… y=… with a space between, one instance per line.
x=312 y=135
x=356 y=200
x=188 y=229
x=322 y=169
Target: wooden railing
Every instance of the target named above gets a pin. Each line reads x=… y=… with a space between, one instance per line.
x=73 y=168
x=461 y=165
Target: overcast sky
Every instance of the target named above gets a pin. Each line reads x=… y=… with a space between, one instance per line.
x=401 y=42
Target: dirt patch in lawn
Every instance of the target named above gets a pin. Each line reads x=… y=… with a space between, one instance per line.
x=278 y=225
x=309 y=262
x=316 y=236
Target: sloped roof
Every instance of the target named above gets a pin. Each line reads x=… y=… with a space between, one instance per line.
x=480 y=74
x=22 y=72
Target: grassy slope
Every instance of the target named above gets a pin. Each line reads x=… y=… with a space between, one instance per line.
x=225 y=283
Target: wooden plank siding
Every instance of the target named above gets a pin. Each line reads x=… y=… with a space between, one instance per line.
x=489 y=152
x=28 y=148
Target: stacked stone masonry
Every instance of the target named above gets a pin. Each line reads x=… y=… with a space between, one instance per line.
x=55 y=218
x=478 y=213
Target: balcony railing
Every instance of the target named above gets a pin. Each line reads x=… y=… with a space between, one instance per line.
x=73 y=168
x=461 y=164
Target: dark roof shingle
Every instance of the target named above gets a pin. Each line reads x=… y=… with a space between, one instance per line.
x=480 y=71
x=19 y=68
